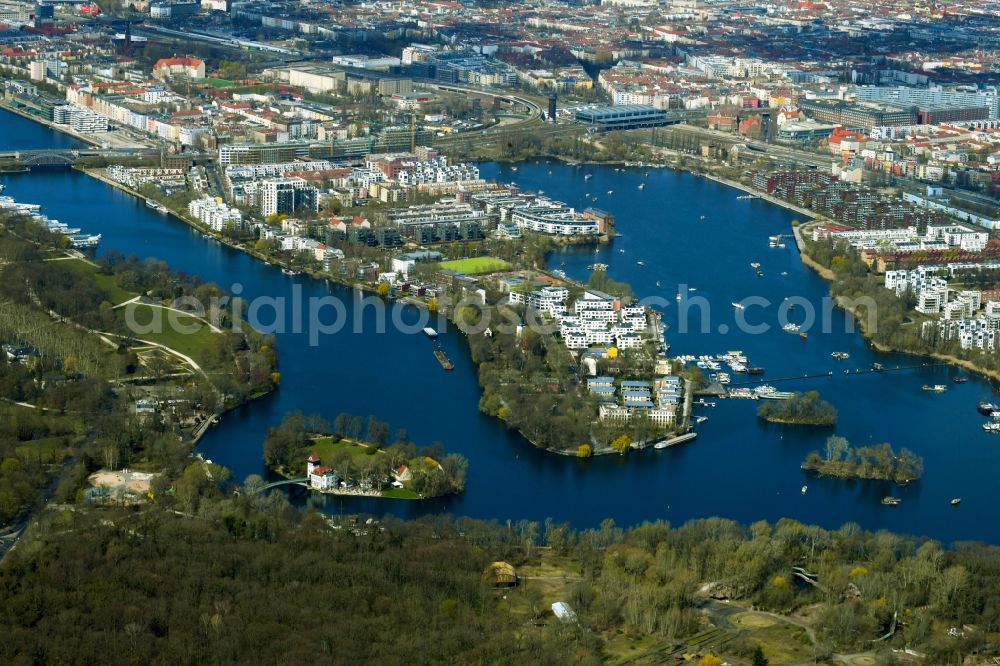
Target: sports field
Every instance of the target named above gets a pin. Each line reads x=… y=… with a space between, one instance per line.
x=476 y=265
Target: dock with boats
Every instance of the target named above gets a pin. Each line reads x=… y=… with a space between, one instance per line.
x=77 y=238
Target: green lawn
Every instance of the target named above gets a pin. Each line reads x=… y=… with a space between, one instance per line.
x=220 y=83
x=400 y=493
x=115 y=293
x=198 y=344
x=476 y=265
x=325 y=447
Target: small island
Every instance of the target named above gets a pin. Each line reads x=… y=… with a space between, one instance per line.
x=878 y=462
x=802 y=409
x=339 y=461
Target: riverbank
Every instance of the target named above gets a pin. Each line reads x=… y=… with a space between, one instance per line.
x=851 y=309
x=763 y=196
x=199 y=227
x=62 y=129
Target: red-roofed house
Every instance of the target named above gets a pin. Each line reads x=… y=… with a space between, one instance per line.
x=323 y=478
x=843 y=140
x=722 y=122
x=167 y=68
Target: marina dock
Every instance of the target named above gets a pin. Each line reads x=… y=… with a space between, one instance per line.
x=832 y=373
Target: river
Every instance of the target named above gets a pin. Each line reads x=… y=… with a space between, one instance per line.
x=738 y=467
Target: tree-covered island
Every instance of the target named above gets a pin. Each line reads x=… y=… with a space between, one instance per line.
x=802 y=409
x=879 y=462
x=360 y=457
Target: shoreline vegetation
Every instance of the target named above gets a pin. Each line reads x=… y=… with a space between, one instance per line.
x=359 y=457
x=877 y=462
x=81 y=390
x=896 y=328
x=233 y=566
x=801 y=409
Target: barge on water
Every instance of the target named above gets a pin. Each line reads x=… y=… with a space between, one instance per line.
x=443 y=360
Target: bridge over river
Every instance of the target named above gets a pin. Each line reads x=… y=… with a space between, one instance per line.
x=304 y=482
x=57 y=157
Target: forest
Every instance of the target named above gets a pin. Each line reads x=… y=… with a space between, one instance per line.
x=802 y=408
x=66 y=404
x=878 y=461
x=205 y=575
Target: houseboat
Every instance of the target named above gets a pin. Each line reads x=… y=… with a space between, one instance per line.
x=443 y=359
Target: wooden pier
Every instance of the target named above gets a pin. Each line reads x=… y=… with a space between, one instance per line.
x=834 y=373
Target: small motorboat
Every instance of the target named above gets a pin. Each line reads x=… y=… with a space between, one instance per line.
x=956 y=501
x=805 y=489
x=891 y=501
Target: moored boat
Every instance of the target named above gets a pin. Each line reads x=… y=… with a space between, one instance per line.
x=986 y=408
x=891 y=501
x=443 y=359
x=430 y=332
x=936 y=388
x=956 y=501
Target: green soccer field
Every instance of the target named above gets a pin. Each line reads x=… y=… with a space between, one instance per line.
x=476 y=265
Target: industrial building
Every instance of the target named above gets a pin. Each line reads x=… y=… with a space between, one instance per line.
x=623 y=116
x=859 y=115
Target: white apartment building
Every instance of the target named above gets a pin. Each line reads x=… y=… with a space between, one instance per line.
x=660 y=416
x=215 y=214
x=80 y=118
x=556 y=219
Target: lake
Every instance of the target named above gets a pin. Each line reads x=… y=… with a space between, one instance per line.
x=738 y=467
